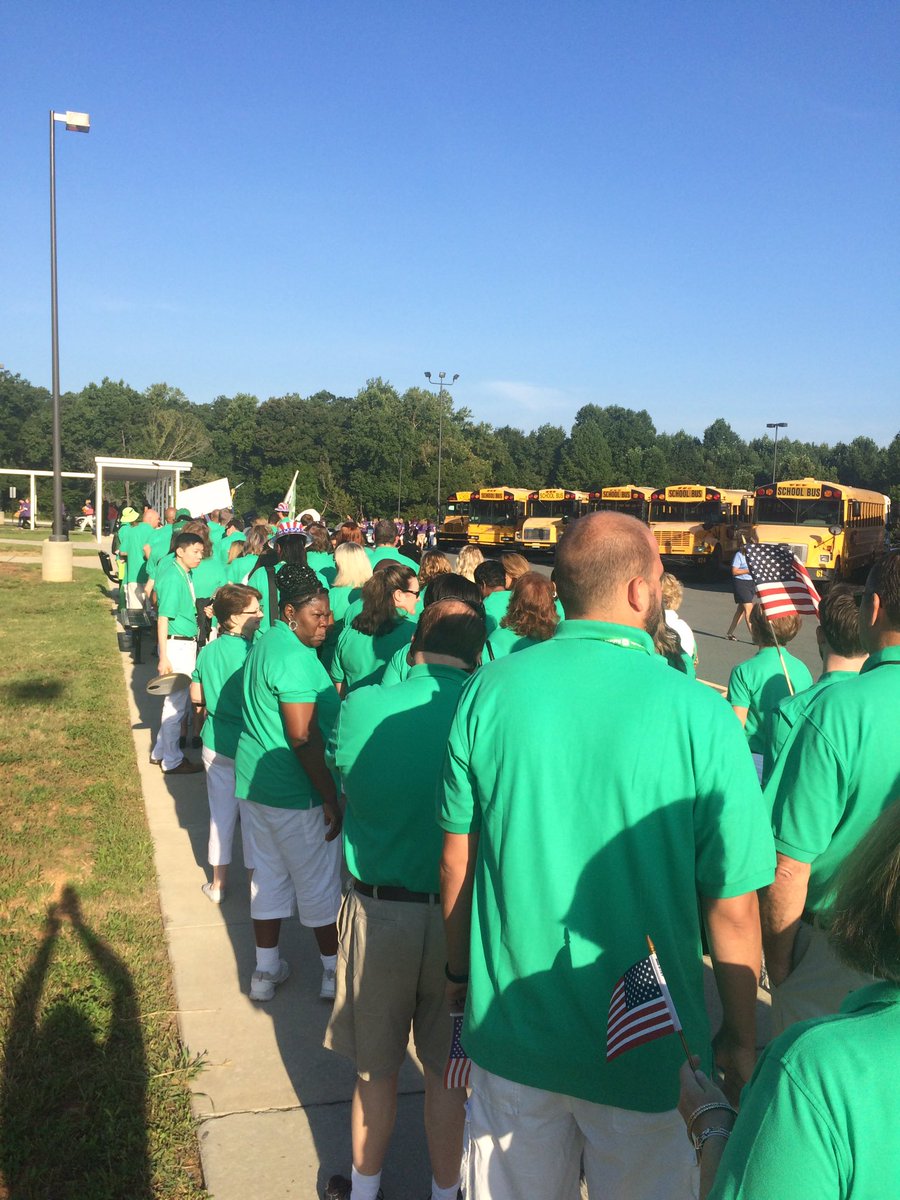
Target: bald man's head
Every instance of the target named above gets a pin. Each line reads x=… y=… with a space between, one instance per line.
x=170 y=515
x=450 y=629
x=597 y=561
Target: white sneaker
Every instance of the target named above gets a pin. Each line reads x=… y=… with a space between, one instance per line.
x=211 y=892
x=326 y=992
x=264 y=983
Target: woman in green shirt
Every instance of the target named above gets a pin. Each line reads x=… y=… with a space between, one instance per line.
x=386 y=623
x=290 y=798
x=353 y=570
x=217 y=692
x=530 y=619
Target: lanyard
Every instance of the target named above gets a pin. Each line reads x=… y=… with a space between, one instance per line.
x=190 y=582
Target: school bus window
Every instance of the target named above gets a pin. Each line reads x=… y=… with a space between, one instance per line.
x=702 y=511
x=778 y=510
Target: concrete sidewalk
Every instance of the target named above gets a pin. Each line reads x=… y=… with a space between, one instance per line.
x=273 y=1107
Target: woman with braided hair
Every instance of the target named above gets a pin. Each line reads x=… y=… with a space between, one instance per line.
x=288 y=796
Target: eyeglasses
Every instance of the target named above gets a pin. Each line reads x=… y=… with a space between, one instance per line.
x=410 y=591
x=251 y=612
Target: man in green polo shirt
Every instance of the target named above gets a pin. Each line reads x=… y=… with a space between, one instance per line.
x=132 y=545
x=837 y=636
x=392 y=950
x=386 y=546
x=838 y=770
x=577 y=822
x=177 y=638
x=491 y=578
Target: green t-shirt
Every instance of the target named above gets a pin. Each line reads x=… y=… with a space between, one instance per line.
x=220 y=670
x=495 y=606
x=815 y=1117
x=216 y=532
x=789 y=712
x=391 y=835
x=160 y=546
x=222 y=547
x=175 y=600
x=837 y=772
x=506 y=641
x=759 y=686
x=394 y=555
x=398 y=668
x=280 y=670
x=601 y=817
x=360 y=659
x=339 y=598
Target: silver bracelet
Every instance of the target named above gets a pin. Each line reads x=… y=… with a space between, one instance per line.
x=716 y=1131
x=705 y=1108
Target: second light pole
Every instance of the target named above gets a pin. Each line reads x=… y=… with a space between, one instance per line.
x=776 y=425
x=442 y=375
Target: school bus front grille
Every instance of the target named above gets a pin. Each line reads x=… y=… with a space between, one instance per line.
x=672 y=541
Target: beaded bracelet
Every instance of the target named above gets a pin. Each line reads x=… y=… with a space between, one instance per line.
x=454 y=978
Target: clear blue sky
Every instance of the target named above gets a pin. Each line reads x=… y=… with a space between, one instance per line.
x=685 y=207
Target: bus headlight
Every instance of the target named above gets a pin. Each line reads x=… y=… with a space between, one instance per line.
x=824 y=558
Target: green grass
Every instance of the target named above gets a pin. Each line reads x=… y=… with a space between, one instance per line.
x=93 y=1095
x=9 y=530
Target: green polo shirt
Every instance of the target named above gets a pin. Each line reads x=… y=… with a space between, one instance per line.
x=220 y=670
x=495 y=606
x=323 y=564
x=360 y=659
x=789 y=711
x=175 y=601
x=837 y=772
x=394 y=555
x=138 y=536
x=222 y=548
x=759 y=686
x=208 y=575
x=816 y=1115
x=389 y=746
x=339 y=598
x=602 y=813
x=506 y=641
x=239 y=568
x=160 y=546
x=280 y=670
x=216 y=532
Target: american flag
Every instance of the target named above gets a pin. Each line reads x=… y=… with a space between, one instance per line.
x=783 y=583
x=641 y=1008
x=456 y=1072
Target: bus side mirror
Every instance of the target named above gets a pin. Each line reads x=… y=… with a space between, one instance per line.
x=834 y=530
x=745 y=511
x=855 y=509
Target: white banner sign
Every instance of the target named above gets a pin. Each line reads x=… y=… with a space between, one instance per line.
x=206 y=497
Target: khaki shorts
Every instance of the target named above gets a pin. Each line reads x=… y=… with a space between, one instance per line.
x=818 y=984
x=390 y=975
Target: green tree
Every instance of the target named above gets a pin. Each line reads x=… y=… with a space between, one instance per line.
x=586 y=461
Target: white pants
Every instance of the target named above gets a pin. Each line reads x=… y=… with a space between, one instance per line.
x=183 y=658
x=223 y=811
x=292 y=864
x=527 y=1142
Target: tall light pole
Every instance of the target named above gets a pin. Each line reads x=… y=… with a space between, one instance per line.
x=77 y=123
x=776 y=425
x=442 y=375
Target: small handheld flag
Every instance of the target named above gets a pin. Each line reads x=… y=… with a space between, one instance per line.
x=458 y=1068
x=783 y=583
x=641 y=1008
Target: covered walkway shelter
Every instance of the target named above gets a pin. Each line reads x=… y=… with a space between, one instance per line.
x=160 y=481
x=31 y=476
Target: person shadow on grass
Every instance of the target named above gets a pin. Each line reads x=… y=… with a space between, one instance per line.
x=72 y=1105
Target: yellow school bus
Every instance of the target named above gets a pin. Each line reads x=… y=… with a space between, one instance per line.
x=453 y=530
x=629 y=498
x=700 y=525
x=835 y=531
x=496 y=515
x=547 y=513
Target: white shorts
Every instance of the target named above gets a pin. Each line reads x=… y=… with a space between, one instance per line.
x=527 y=1142
x=293 y=862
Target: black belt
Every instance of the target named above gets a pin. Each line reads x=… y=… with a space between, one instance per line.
x=181 y=637
x=378 y=892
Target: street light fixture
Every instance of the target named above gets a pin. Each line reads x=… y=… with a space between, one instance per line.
x=76 y=122
x=442 y=375
x=776 y=425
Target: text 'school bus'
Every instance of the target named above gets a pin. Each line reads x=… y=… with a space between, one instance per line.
x=834 y=531
x=453 y=530
x=699 y=525
x=632 y=500
x=547 y=513
x=496 y=515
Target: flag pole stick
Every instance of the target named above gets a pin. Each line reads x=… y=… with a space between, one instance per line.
x=684 y=1045
x=778 y=648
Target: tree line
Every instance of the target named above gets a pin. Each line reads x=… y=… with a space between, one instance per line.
x=376 y=453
